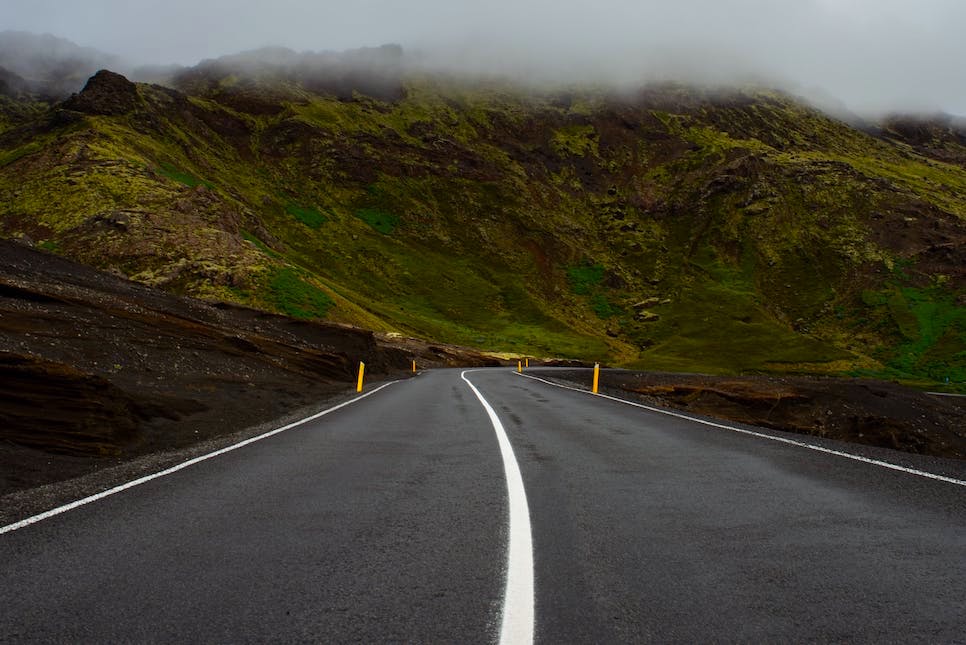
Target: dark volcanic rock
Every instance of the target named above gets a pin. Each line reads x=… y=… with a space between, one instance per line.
x=106 y=93
x=62 y=410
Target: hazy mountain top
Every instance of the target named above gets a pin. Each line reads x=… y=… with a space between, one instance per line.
x=56 y=67
x=49 y=65
x=374 y=71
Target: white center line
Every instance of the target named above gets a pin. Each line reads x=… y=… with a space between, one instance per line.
x=518 y=611
x=174 y=469
x=802 y=444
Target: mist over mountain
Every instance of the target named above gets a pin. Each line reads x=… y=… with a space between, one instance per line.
x=836 y=77
x=374 y=71
x=875 y=56
x=48 y=65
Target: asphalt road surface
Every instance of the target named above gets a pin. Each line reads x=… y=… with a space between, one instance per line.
x=389 y=520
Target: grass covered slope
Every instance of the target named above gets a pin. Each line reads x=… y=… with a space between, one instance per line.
x=668 y=228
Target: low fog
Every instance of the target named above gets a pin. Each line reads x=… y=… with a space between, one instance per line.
x=869 y=56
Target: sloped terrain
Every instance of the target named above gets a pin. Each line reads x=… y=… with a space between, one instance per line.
x=95 y=368
x=668 y=228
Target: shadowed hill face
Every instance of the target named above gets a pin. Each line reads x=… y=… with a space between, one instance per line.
x=670 y=228
x=106 y=94
x=941 y=137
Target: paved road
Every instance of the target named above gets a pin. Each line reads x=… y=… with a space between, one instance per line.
x=387 y=521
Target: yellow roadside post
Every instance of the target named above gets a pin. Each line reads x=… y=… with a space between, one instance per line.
x=362 y=370
x=519 y=366
x=527 y=362
x=414 y=366
x=596 y=376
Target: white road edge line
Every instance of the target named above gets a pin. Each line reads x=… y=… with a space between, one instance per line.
x=838 y=453
x=137 y=482
x=518 y=601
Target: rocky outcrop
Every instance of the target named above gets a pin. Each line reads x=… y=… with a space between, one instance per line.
x=106 y=93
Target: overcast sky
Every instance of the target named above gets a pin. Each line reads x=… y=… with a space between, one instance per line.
x=872 y=54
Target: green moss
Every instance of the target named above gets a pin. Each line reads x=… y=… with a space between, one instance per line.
x=379 y=220
x=583 y=279
x=311 y=217
x=182 y=177
x=933 y=327
x=603 y=308
x=714 y=322
x=295 y=297
x=10 y=156
x=575 y=141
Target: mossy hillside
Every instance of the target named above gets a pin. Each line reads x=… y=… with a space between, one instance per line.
x=296 y=296
x=460 y=212
x=15 y=112
x=186 y=178
x=929 y=330
x=310 y=217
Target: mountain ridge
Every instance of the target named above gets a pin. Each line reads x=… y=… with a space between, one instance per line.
x=671 y=227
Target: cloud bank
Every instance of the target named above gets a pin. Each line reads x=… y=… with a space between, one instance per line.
x=874 y=55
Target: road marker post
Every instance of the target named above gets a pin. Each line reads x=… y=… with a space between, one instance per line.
x=596 y=377
x=520 y=367
x=414 y=366
x=526 y=362
x=362 y=371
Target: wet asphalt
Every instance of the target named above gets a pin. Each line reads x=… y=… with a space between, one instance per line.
x=385 y=521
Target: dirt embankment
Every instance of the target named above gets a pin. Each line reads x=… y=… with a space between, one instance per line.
x=873 y=413
x=95 y=369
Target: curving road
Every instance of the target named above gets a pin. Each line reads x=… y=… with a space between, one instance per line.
x=387 y=520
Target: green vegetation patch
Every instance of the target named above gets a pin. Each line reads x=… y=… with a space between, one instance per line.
x=183 y=177
x=297 y=298
x=381 y=221
x=583 y=279
x=729 y=334
x=933 y=331
x=587 y=280
x=10 y=156
x=714 y=322
x=311 y=217
x=603 y=307
x=575 y=141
